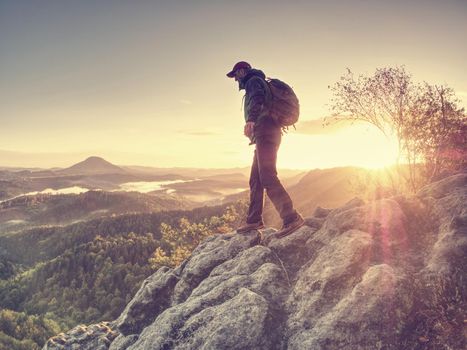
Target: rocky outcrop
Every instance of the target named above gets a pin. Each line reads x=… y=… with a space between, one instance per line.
x=387 y=274
x=94 y=337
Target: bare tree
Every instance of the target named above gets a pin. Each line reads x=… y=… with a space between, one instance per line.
x=438 y=132
x=424 y=119
x=383 y=99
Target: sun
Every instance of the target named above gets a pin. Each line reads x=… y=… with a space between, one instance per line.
x=352 y=146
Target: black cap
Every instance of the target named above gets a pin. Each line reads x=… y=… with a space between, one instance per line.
x=238 y=65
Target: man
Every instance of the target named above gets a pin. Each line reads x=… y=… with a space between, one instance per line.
x=263 y=131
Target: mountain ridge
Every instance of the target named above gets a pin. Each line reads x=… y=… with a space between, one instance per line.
x=382 y=274
x=93 y=165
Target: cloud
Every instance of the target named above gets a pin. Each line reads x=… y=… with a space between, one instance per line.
x=185 y=102
x=315 y=127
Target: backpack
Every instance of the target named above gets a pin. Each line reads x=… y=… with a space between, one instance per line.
x=285 y=107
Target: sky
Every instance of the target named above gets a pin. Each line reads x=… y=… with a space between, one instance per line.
x=143 y=82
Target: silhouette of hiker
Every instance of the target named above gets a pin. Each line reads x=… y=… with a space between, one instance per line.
x=263 y=131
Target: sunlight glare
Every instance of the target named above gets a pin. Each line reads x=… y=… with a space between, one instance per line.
x=357 y=145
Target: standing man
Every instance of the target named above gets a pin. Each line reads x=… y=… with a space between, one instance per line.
x=263 y=131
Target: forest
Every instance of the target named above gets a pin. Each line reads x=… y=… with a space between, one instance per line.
x=53 y=278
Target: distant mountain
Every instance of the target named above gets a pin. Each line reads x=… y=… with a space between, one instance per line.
x=328 y=188
x=202 y=172
x=332 y=187
x=93 y=165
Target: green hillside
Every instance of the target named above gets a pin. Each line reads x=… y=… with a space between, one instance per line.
x=87 y=272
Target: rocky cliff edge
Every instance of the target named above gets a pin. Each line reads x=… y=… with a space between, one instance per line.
x=386 y=274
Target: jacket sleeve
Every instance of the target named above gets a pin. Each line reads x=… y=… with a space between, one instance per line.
x=255 y=89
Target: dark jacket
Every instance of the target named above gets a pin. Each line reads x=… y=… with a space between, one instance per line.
x=257 y=104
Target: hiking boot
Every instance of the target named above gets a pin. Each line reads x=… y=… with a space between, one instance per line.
x=289 y=228
x=250 y=227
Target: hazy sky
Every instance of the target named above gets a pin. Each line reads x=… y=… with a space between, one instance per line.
x=143 y=82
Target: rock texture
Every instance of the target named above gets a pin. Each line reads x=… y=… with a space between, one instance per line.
x=387 y=274
x=94 y=337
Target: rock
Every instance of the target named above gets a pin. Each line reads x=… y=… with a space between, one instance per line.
x=250 y=276
x=239 y=323
x=292 y=251
x=447 y=199
x=314 y=222
x=326 y=280
x=387 y=274
x=94 y=337
x=353 y=203
x=152 y=298
x=122 y=342
x=208 y=255
x=321 y=212
x=446 y=186
x=368 y=317
x=383 y=219
x=245 y=263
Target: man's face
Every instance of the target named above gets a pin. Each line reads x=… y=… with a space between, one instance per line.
x=239 y=74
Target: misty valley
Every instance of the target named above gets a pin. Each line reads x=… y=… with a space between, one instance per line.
x=76 y=243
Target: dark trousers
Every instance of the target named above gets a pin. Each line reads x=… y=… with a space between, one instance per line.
x=263 y=176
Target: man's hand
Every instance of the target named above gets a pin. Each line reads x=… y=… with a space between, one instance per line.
x=248 y=130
